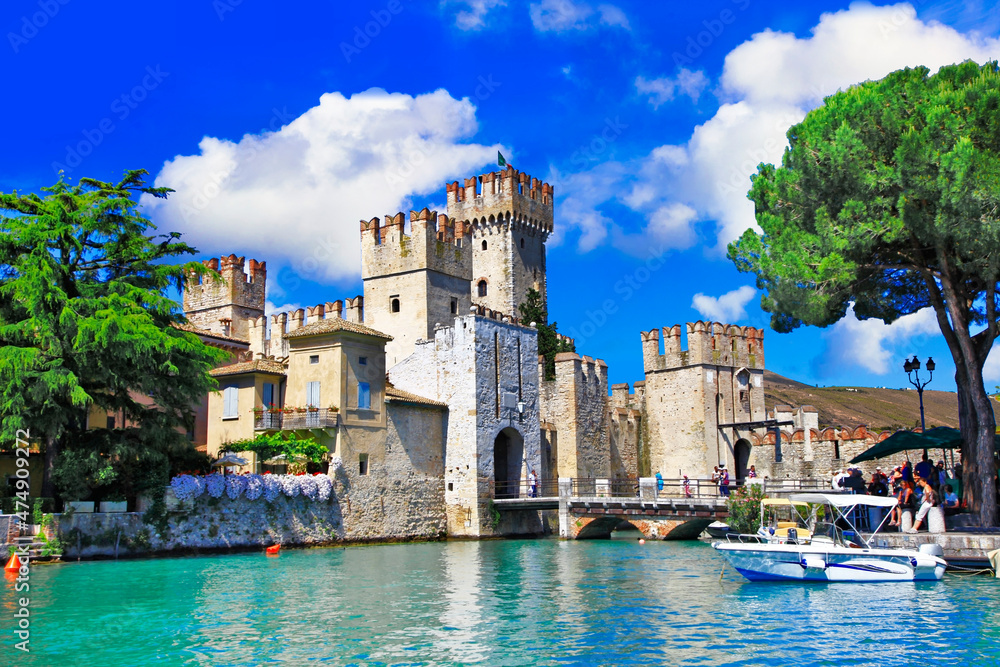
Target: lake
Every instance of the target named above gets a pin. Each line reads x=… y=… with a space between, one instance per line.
x=515 y=602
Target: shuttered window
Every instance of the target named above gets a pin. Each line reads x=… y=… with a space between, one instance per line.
x=364 y=395
x=312 y=394
x=268 y=394
x=230 y=403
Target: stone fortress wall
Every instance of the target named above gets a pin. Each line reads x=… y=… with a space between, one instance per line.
x=480 y=413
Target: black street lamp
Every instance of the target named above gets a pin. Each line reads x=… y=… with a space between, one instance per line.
x=913 y=366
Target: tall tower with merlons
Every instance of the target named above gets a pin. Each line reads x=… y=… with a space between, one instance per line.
x=508 y=215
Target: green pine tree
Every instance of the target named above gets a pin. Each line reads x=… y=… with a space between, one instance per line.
x=549 y=343
x=886 y=200
x=85 y=322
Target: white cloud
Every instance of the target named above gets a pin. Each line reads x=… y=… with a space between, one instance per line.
x=991 y=369
x=663 y=89
x=613 y=16
x=294 y=197
x=873 y=345
x=564 y=15
x=473 y=17
x=728 y=308
x=769 y=83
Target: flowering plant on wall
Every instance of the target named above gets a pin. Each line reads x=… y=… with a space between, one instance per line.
x=317 y=486
x=215 y=484
x=324 y=486
x=308 y=487
x=255 y=487
x=187 y=486
x=272 y=487
x=289 y=485
x=234 y=486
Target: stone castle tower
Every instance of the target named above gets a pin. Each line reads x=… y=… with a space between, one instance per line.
x=414 y=281
x=688 y=393
x=226 y=306
x=488 y=251
x=508 y=215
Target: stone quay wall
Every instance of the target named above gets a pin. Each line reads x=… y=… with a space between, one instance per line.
x=209 y=524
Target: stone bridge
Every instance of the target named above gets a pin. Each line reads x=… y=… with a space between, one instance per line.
x=658 y=517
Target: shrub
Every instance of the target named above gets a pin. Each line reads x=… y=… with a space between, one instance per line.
x=744 y=508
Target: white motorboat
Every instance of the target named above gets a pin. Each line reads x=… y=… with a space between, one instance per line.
x=823 y=551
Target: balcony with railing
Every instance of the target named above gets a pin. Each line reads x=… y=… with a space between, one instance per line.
x=310 y=418
x=267 y=421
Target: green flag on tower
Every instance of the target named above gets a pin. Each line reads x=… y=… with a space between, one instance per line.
x=501 y=162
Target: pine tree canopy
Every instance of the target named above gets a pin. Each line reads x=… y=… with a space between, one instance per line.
x=887 y=201
x=86 y=323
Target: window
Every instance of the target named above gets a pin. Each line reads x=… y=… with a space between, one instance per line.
x=454 y=306
x=362 y=464
x=394 y=305
x=522 y=243
x=364 y=395
x=482 y=288
x=313 y=358
x=312 y=394
x=268 y=394
x=110 y=423
x=230 y=403
x=484 y=245
x=362 y=361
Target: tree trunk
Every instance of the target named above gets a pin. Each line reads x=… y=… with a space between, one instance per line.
x=978 y=427
x=51 y=452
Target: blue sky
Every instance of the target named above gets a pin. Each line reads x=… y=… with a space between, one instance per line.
x=282 y=127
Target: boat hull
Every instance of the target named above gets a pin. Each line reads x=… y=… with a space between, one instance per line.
x=821 y=563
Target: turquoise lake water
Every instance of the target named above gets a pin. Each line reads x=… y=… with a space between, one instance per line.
x=519 y=602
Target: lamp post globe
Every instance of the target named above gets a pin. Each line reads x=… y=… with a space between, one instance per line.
x=912 y=366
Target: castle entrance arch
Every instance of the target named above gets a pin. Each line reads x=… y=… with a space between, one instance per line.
x=508 y=457
x=741 y=452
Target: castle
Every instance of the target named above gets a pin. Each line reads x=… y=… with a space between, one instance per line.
x=429 y=392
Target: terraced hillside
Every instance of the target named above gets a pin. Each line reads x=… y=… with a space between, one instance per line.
x=877 y=408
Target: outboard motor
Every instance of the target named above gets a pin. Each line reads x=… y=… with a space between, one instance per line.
x=793 y=536
x=932 y=550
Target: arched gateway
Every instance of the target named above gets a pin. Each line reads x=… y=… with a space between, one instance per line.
x=508 y=458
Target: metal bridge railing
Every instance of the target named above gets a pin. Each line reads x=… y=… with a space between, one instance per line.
x=596 y=487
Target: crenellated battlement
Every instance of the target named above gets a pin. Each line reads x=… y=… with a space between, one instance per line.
x=710 y=343
x=435 y=242
x=283 y=323
x=510 y=198
x=225 y=305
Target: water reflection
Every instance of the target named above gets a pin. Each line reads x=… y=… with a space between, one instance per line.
x=461 y=617
x=493 y=603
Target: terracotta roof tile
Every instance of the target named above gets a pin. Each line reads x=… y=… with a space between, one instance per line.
x=334 y=324
x=255 y=366
x=399 y=396
x=211 y=334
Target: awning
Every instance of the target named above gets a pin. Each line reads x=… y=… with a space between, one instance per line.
x=942 y=437
x=843 y=499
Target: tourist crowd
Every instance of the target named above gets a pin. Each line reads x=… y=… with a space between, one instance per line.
x=917 y=488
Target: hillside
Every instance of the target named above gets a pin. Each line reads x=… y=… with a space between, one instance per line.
x=879 y=409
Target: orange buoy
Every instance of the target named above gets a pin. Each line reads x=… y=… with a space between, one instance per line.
x=13 y=565
x=273 y=551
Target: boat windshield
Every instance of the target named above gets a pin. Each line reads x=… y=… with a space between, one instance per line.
x=831 y=532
